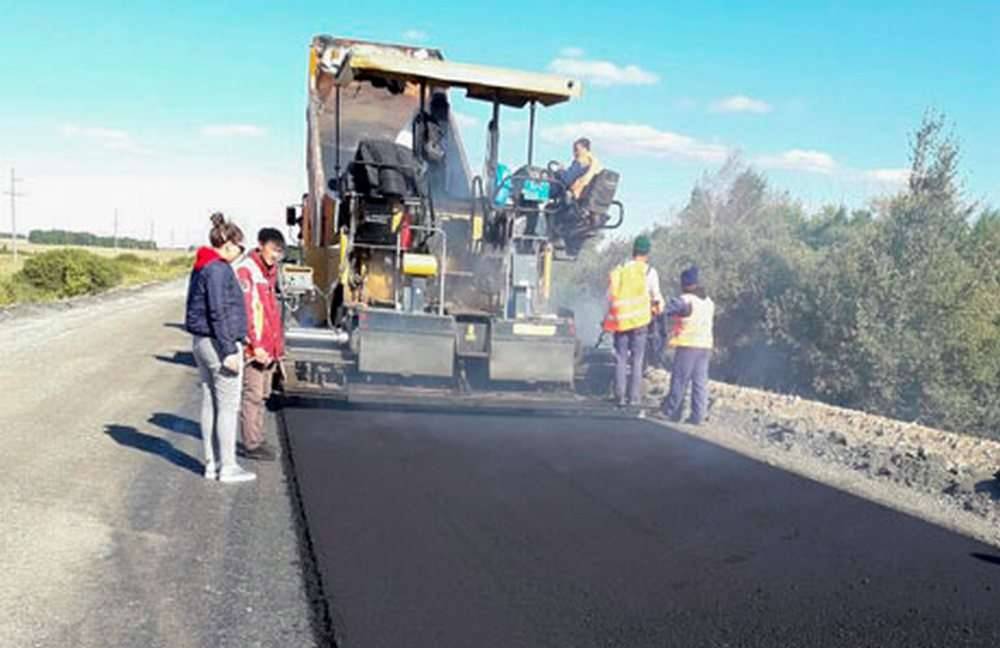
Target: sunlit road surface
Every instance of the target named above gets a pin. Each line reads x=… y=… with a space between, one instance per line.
x=457 y=530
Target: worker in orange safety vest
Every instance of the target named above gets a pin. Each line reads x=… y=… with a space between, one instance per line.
x=693 y=315
x=634 y=298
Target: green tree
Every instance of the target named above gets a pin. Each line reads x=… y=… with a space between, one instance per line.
x=894 y=310
x=899 y=319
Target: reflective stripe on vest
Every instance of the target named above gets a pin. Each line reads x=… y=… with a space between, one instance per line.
x=694 y=331
x=630 y=304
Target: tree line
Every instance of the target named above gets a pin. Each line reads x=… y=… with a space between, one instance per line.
x=65 y=237
x=893 y=309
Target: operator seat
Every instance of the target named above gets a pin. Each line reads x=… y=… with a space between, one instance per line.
x=579 y=220
x=384 y=169
x=599 y=194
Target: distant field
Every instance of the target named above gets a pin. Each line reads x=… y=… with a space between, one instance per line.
x=25 y=250
x=71 y=274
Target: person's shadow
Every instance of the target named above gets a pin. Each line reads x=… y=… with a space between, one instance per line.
x=128 y=436
x=177 y=424
x=183 y=358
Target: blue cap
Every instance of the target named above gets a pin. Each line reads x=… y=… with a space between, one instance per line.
x=690 y=277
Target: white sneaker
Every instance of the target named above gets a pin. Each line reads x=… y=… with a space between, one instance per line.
x=211 y=470
x=235 y=474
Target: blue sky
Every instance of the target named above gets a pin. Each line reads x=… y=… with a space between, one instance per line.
x=167 y=112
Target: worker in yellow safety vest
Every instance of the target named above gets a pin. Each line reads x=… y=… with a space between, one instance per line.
x=634 y=298
x=693 y=315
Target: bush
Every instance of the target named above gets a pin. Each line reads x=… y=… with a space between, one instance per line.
x=15 y=289
x=129 y=258
x=181 y=262
x=69 y=272
x=134 y=265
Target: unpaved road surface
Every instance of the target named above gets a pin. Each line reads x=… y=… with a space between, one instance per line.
x=454 y=530
x=108 y=534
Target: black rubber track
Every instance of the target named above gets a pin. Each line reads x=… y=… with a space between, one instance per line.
x=480 y=531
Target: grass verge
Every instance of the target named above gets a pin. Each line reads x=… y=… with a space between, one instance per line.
x=59 y=273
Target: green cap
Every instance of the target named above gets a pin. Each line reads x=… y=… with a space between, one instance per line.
x=642 y=246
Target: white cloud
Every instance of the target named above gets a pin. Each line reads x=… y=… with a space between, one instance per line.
x=97 y=133
x=113 y=139
x=637 y=139
x=571 y=52
x=741 y=103
x=603 y=73
x=232 y=130
x=800 y=160
x=889 y=176
x=416 y=35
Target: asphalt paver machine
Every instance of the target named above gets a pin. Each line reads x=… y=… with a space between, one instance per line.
x=412 y=272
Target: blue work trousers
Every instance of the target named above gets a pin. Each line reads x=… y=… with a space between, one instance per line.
x=630 y=347
x=690 y=366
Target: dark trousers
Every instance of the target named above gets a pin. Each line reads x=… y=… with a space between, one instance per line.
x=656 y=342
x=630 y=347
x=690 y=366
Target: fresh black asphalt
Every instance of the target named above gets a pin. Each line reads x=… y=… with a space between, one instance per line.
x=480 y=531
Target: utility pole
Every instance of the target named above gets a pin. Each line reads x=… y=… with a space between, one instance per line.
x=152 y=232
x=14 y=195
x=116 y=229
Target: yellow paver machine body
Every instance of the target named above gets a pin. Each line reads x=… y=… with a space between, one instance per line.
x=413 y=272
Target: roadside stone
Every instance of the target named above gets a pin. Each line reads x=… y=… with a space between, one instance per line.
x=837 y=438
x=953 y=468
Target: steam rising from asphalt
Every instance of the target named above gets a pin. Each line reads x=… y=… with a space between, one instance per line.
x=588 y=309
x=589 y=317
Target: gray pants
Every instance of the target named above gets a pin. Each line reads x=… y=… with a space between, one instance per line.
x=220 y=403
x=630 y=347
x=690 y=366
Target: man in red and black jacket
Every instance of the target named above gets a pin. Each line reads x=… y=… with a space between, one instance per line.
x=258 y=277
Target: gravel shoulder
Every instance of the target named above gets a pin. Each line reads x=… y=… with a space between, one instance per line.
x=30 y=310
x=943 y=477
x=110 y=536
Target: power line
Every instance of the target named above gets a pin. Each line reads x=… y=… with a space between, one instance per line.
x=14 y=195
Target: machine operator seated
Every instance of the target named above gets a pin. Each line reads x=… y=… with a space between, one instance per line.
x=577 y=177
x=582 y=208
x=431 y=146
